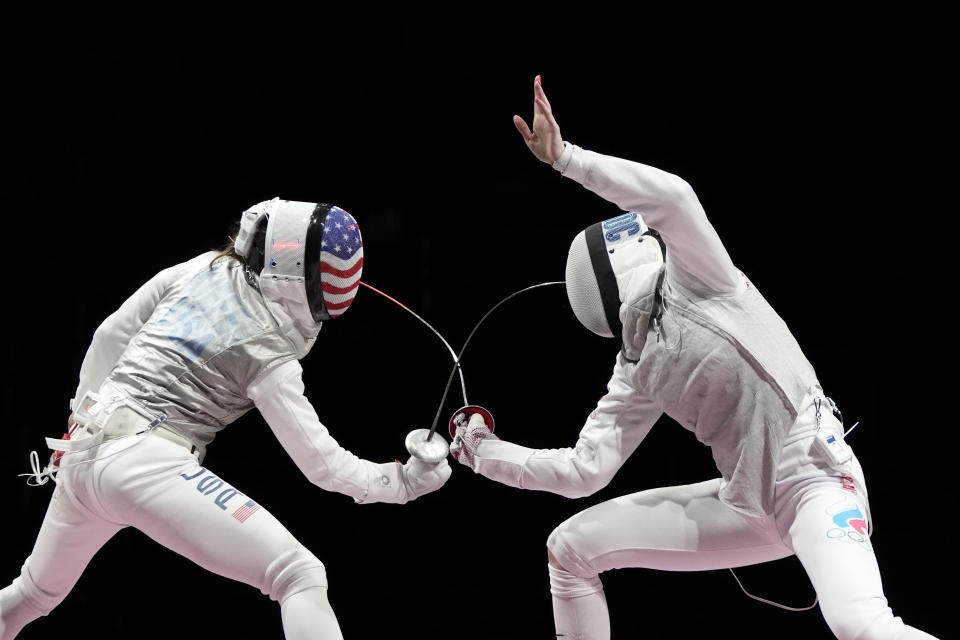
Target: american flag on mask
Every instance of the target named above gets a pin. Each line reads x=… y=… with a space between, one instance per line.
x=246 y=510
x=341 y=261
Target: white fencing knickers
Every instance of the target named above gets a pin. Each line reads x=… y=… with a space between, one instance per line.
x=159 y=487
x=820 y=515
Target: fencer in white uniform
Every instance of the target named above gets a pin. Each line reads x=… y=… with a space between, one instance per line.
x=192 y=350
x=700 y=344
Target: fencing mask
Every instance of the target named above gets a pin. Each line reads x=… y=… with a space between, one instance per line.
x=305 y=256
x=603 y=259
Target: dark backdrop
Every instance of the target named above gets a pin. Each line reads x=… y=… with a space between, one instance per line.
x=822 y=147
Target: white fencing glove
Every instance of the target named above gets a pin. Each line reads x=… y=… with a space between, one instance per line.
x=468 y=437
x=422 y=477
x=397 y=483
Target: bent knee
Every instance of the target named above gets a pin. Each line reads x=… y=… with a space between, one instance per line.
x=563 y=553
x=292 y=572
x=551 y=560
x=571 y=575
x=27 y=591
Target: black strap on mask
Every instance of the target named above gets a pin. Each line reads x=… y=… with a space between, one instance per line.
x=606 y=280
x=313 y=282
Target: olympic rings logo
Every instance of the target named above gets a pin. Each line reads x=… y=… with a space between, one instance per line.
x=846 y=535
x=851 y=527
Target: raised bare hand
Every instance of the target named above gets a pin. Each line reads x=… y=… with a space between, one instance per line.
x=544 y=140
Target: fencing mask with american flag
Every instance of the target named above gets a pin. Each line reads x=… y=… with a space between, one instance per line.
x=306 y=256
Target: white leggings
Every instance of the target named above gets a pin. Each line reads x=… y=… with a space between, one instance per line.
x=820 y=516
x=159 y=488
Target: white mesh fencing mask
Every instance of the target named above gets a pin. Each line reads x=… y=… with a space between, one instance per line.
x=599 y=264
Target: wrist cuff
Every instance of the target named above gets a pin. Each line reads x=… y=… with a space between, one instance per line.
x=561 y=163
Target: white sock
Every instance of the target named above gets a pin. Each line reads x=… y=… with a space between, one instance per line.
x=307 y=615
x=579 y=606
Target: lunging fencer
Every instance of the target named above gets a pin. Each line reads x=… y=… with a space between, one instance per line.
x=700 y=344
x=196 y=347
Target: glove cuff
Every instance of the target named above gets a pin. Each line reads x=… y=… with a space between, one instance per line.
x=387 y=486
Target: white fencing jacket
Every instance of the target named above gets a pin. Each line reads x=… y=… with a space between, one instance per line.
x=199 y=344
x=723 y=364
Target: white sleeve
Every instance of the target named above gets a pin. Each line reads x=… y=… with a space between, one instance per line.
x=613 y=431
x=114 y=334
x=666 y=203
x=280 y=398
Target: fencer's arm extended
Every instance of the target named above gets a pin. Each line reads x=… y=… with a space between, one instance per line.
x=114 y=334
x=612 y=432
x=279 y=396
x=666 y=203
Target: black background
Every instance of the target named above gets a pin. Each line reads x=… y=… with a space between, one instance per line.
x=822 y=146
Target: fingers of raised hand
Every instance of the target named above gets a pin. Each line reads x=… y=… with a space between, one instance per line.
x=522 y=127
x=540 y=97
